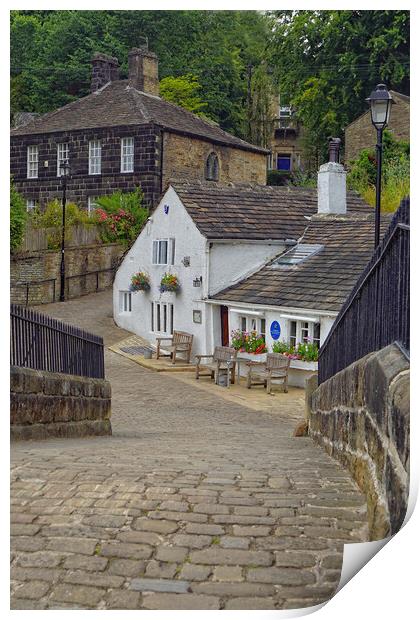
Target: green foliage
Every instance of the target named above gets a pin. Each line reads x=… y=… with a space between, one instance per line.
x=51 y=52
x=122 y=216
x=18 y=217
x=395 y=173
x=261 y=111
x=183 y=91
x=327 y=62
x=52 y=219
x=278 y=177
x=250 y=342
x=306 y=352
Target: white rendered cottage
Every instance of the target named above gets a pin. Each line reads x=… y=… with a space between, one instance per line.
x=212 y=238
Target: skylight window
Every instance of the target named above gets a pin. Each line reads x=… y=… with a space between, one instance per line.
x=297 y=255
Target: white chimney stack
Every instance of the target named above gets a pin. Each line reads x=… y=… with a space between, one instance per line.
x=332 y=183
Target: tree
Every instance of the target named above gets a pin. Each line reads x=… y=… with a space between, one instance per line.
x=183 y=91
x=18 y=216
x=327 y=62
x=261 y=107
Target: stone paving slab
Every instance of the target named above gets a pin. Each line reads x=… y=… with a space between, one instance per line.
x=195 y=502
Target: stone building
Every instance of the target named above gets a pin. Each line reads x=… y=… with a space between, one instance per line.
x=287 y=153
x=361 y=134
x=123 y=135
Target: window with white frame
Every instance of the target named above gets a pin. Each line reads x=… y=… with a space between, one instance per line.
x=163 y=252
x=95 y=157
x=127 y=154
x=162 y=317
x=30 y=204
x=92 y=206
x=304 y=331
x=32 y=167
x=125 y=302
x=252 y=324
x=62 y=156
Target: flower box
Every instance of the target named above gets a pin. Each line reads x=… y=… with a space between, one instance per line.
x=255 y=357
x=301 y=365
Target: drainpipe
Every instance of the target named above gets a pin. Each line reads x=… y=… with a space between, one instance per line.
x=206 y=279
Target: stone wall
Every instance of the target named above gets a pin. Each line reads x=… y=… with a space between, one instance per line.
x=361 y=417
x=185 y=158
x=31 y=266
x=46 y=404
x=361 y=134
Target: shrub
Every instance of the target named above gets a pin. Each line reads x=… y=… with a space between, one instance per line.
x=278 y=177
x=18 y=216
x=52 y=218
x=395 y=173
x=122 y=216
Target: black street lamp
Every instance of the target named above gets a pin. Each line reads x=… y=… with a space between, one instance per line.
x=380 y=109
x=64 y=173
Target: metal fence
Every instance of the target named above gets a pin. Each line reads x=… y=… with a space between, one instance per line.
x=47 y=291
x=377 y=311
x=43 y=343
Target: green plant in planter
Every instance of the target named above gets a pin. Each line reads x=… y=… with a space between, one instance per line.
x=304 y=351
x=140 y=281
x=169 y=283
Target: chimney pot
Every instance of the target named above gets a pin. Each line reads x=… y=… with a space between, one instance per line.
x=104 y=69
x=334 y=150
x=143 y=70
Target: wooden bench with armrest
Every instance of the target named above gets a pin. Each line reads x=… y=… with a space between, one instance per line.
x=180 y=342
x=263 y=373
x=217 y=362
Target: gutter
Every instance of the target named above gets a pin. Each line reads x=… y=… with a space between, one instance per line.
x=284 y=309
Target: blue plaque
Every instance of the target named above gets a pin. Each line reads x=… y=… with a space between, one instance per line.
x=275 y=330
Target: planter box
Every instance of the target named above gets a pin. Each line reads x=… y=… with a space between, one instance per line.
x=301 y=371
x=244 y=357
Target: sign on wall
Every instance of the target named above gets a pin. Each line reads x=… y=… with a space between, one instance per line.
x=275 y=330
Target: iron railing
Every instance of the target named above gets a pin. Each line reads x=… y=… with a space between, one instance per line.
x=43 y=343
x=50 y=288
x=377 y=312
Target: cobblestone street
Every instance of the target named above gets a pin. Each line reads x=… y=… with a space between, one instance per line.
x=195 y=502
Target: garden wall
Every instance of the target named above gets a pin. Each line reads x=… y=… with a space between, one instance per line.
x=361 y=417
x=47 y=404
x=45 y=265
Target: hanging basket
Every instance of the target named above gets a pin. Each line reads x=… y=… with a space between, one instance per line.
x=140 y=281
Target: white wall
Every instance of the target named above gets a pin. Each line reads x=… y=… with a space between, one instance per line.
x=232 y=262
x=188 y=242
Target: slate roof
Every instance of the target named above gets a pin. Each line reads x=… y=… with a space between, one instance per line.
x=118 y=104
x=322 y=281
x=254 y=212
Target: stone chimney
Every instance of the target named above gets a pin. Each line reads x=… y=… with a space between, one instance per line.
x=104 y=69
x=332 y=182
x=143 y=70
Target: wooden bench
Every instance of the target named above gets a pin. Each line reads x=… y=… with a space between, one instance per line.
x=181 y=342
x=218 y=361
x=263 y=373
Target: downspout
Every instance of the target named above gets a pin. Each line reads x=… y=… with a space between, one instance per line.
x=161 y=160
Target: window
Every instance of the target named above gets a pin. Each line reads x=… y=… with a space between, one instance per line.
x=252 y=324
x=32 y=168
x=127 y=154
x=30 y=204
x=212 y=167
x=125 y=302
x=163 y=252
x=304 y=331
x=95 y=157
x=162 y=317
x=92 y=204
x=284 y=162
x=62 y=156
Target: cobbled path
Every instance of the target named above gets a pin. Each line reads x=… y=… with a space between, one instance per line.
x=193 y=503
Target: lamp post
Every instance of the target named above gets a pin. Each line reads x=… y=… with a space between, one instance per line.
x=380 y=109
x=64 y=173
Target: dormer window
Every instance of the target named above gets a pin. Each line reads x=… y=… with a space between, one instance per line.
x=212 y=167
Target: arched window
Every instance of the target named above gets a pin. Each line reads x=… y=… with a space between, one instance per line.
x=212 y=167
